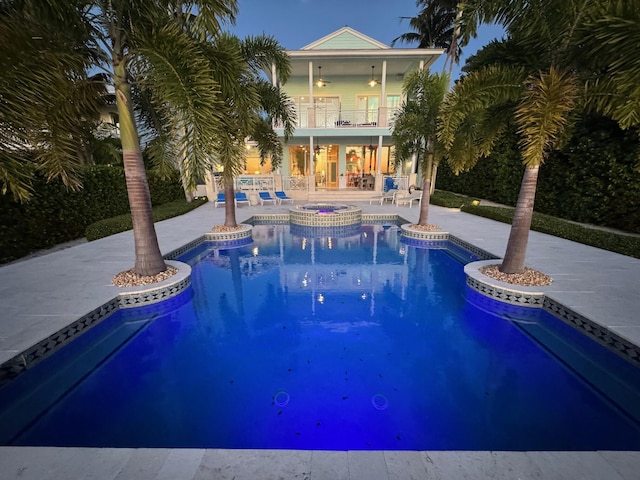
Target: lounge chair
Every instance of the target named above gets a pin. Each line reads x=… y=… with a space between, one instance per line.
x=409 y=198
x=241 y=197
x=283 y=197
x=266 y=197
x=388 y=195
x=220 y=200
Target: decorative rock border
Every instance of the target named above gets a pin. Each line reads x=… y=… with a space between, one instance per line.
x=230 y=236
x=505 y=292
x=130 y=297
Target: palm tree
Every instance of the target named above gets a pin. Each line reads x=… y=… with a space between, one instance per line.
x=434 y=27
x=414 y=131
x=544 y=97
x=251 y=106
x=48 y=101
x=156 y=46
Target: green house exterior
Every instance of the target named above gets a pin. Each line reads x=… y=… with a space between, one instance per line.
x=346 y=87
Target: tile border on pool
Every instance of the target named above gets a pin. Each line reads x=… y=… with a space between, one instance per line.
x=534 y=297
x=127 y=298
x=601 y=334
x=521 y=296
x=132 y=297
x=30 y=357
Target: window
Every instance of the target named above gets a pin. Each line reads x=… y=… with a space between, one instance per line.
x=252 y=163
x=367 y=106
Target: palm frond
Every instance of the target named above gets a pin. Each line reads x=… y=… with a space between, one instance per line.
x=179 y=74
x=544 y=113
x=262 y=52
x=478 y=91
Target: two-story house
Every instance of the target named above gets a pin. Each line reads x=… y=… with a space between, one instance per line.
x=346 y=88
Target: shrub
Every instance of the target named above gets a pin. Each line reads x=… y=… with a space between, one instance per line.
x=449 y=199
x=122 y=223
x=55 y=215
x=611 y=241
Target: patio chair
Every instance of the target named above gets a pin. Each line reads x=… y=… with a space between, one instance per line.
x=266 y=197
x=241 y=197
x=283 y=197
x=388 y=195
x=220 y=200
x=409 y=198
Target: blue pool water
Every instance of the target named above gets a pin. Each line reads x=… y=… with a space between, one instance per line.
x=357 y=341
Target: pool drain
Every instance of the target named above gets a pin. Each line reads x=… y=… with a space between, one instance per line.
x=281 y=398
x=379 y=402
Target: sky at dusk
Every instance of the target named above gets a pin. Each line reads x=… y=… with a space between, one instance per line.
x=296 y=23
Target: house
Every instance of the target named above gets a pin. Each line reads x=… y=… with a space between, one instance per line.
x=346 y=88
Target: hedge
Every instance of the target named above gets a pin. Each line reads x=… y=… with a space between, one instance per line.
x=613 y=242
x=593 y=178
x=122 y=223
x=55 y=215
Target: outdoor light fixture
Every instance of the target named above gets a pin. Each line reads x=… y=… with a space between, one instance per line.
x=373 y=82
x=321 y=83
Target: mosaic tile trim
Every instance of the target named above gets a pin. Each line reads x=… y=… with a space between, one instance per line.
x=137 y=299
x=478 y=252
x=601 y=334
x=12 y=368
x=422 y=235
x=372 y=218
x=505 y=295
x=420 y=242
x=228 y=236
x=314 y=231
x=348 y=216
x=269 y=218
x=185 y=248
x=494 y=305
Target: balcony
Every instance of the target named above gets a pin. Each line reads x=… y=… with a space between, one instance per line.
x=340 y=119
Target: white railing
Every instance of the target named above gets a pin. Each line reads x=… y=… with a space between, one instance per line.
x=338 y=118
x=295 y=183
x=401 y=182
x=255 y=182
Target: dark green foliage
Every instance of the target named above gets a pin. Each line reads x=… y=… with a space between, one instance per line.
x=495 y=178
x=449 y=199
x=613 y=242
x=593 y=179
x=122 y=223
x=55 y=215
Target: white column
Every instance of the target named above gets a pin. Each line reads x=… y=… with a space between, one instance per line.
x=379 y=155
x=383 y=115
x=311 y=181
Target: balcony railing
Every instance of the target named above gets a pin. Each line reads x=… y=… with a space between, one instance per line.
x=339 y=118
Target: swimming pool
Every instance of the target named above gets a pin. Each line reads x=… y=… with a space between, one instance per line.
x=357 y=341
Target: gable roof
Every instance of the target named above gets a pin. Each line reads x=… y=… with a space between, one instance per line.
x=346 y=38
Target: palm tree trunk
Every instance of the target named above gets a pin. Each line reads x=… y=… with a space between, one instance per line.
x=426 y=191
x=514 y=257
x=149 y=260
x=229 y=206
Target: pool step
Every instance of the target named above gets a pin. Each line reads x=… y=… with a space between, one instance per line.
x=610 y=376
x=20 y=402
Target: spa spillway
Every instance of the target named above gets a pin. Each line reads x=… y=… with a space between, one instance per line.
x=325 y=215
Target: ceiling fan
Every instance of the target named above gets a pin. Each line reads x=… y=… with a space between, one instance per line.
x=320 y=82
x=373 y=82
